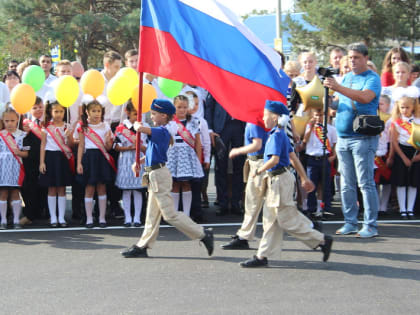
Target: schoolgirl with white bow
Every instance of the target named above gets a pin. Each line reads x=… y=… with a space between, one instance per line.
x=403 y=157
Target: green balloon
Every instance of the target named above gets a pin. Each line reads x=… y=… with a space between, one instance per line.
x=34 y=76
x=169 y=87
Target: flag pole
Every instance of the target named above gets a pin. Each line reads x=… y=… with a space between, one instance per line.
x=139 y=109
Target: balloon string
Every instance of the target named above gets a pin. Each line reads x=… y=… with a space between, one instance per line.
x=18 y=126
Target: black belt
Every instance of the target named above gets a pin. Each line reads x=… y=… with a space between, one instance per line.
x=255 y=157
x=154 y=167
x=277 y=171
x=179 y=140
x=317 y=157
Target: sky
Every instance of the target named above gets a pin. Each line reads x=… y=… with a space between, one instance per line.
x=242 y=7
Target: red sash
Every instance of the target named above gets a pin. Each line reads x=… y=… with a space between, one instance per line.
x=127 y=133
x=318 y=130
x=12 y=145
x=382 y=170
x=60 y=141
x=404 y=125
x=185 y=133
x=35 y=128
x=97 y=140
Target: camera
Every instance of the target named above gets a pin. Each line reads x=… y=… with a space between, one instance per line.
x=328 y=72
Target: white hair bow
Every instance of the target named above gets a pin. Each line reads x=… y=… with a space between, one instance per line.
x=400 y=92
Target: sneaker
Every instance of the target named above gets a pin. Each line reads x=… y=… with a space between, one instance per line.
x=326 y=247
x=347 y=229
x=236 y=243
x=135 y=252
x=254 y=262
x=208 y=241
x=367 y=232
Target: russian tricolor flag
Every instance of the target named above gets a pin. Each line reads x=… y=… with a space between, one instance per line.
x=201 y=42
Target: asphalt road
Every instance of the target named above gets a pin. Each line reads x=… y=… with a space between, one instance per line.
x=82 y=272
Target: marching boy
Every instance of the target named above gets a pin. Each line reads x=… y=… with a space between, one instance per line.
x=280 y=212
x=160 y=203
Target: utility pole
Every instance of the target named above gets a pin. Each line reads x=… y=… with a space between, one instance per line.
x=278 y=42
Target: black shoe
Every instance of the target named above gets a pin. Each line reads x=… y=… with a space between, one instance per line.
x=221 y=211
x=236 y=210
x=403 y=215
x=89 y=225
x=127 y=224
x=208 y=241
x=63 y=225
x=254 y=262
x=326 y=248
x=102 y=225
x=410 y=215
x=205 y=204
x=137 y=224
x=236 y=243
x=53 y=225
x=134 y=252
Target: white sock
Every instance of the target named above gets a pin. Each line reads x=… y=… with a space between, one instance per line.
x=186 y=202
x=319 y=208
x=102 y=208
x=138 y=204
x=384 y=198
x=17 y=208
x=305 y=204
x=411 y=198
x=3 y=211
x=401 y=198
x=126 y=199
x=52 y=207
x=61 y=209
x=175 y=197
x=89 y=210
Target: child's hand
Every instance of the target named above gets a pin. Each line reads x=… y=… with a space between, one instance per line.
x=331 y=158
x=308 y=185
x=206 y=166
x=389 y=161
x=68 y=132
x=26 y=127
x=42 y=168
x=79 y=169
x=407 y=162
x=234 y=153
x=137 y=125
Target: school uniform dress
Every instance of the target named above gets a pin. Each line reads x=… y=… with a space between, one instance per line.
x=280 y=213
x=314 y=164
x=254 y=190
x=160 y=202
x=96 y=168
x=183 y=162
x=58 y=171
x=125 y=177
x=401 y=174
x=10 y=169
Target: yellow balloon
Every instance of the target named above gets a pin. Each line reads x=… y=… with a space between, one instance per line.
x=415 y=136
x=312 y=94
x=66 y=90
x=149 y=94
x=23 y=97
x=118 y=90
x=92 y=83
x=300 y=124
x=131 y=75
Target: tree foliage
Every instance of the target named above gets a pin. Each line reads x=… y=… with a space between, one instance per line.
x=81 y=27
x=340 y=22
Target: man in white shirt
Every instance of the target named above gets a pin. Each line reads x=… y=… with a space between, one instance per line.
x=45 y=62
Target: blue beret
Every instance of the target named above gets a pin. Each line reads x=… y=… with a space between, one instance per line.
x=276 y=107
x=163 y=106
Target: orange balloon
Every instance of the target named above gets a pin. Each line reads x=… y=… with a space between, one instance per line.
x=149 y=94
x=23 y=97
x=92 y=82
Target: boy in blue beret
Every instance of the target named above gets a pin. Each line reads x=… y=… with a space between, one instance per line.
x=160 y=203
x=280 y=212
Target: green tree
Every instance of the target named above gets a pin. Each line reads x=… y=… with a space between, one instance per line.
x=81 y=27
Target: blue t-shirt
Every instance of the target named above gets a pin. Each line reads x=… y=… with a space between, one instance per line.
x=367 y=80
x=253 y=131
x=278 y=144
x=157 y=146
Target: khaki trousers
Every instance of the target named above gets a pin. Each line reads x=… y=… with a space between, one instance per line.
x=281 y=215
x=160 y=204
x=254 y=199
